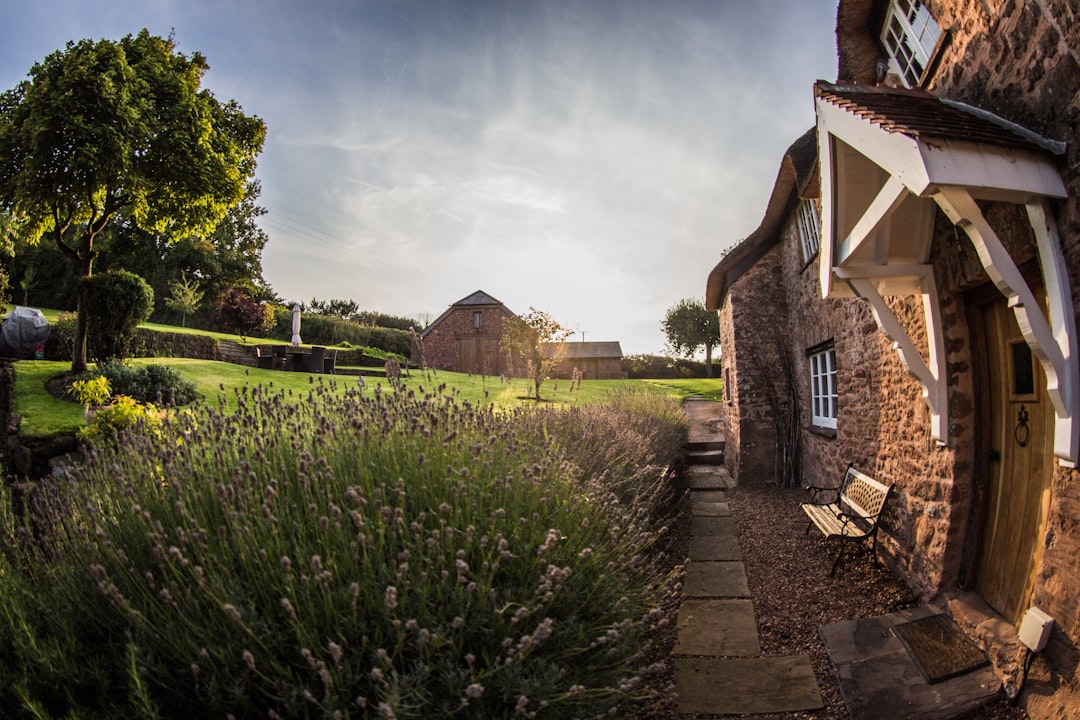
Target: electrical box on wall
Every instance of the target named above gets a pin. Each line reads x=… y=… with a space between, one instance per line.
x=1035 y=629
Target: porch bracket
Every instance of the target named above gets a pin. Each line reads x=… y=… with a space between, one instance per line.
x=930 y=375
x=1055 y=346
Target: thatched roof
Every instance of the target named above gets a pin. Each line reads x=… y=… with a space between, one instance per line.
x=857 y=47
x=797 y=178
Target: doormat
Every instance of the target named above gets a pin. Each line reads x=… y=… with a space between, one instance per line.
x=940 y=648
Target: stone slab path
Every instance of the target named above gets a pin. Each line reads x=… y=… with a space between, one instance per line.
x=718 y=665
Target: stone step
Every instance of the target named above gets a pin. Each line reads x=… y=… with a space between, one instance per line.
x=705 y=457
x=708 y=477
x=717 y=628
x=745 y=686
x=717 y=579
x=705 y=445
x=715 y=547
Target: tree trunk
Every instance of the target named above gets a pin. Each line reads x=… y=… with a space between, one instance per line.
x=708 y=360
x=78 y=352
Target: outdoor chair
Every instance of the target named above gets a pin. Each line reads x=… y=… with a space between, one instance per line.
x=329 y=362
x=264 y=358
x=313 y=363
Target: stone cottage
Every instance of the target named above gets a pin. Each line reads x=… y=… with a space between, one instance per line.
x=466 y=337
x=907 y=304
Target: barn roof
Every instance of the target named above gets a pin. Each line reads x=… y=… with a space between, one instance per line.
x=476 y=299
x=587 y=350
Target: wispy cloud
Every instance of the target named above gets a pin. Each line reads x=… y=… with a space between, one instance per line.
x=592 y=159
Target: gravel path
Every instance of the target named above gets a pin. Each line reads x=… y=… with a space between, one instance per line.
x=794 y=595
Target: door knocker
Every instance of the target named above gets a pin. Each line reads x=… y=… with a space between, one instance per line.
x=1022 y=433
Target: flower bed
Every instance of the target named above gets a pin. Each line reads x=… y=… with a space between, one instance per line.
x=348 y=556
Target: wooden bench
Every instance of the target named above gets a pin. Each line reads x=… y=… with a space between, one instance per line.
x=851 y=514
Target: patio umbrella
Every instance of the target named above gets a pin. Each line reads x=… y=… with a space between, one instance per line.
x=296 y=324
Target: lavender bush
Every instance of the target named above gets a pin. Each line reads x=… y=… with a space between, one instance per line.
x=343 y=557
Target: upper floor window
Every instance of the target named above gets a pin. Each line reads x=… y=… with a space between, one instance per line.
x=910 y=35
x=823 y=395
x=478 y=319
x=809 y=229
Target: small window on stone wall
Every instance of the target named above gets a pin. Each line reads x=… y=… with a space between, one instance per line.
x=823 y=395
x=478 y=319
x=910 y=35
x=809 y=229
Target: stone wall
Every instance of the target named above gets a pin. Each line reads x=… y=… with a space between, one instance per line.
x=756 y=314
x=440 y=345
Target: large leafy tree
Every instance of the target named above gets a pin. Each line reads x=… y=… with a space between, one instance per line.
x=106 y=132
x=230 y=256
x=538 y=338
x=689 y=327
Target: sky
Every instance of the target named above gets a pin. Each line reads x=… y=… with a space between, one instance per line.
x=589 y=158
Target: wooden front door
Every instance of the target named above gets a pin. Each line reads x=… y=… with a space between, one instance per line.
x=1019 y=443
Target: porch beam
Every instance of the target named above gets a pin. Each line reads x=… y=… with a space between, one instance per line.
x=881 y=208
x=1062 y=325
x=1055 y=352
x=930 y=375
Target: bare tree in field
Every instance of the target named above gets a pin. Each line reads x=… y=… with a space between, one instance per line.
x=538 y=338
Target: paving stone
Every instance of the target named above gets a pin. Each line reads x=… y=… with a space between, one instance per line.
x=708 y=477
x=867 y=637
x=709 y=496
x=879 y=680
x=716 y=579
x=715 y=547
x=737 y=686
x=714 y=525
x=718 y=628
x=711 y=509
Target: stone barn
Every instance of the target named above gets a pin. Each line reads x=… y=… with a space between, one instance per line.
x=466 y=337
x=907 y=304
x=595 y=360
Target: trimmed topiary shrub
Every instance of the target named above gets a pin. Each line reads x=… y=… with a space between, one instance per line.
x=115 y=302
x=157 y=384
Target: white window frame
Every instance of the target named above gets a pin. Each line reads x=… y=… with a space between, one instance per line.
x=809 y=228
x=478 y=319
x=910 y=35
x=824 y=400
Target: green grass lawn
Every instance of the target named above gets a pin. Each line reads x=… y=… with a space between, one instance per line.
x=44 y=415
x=711 y=388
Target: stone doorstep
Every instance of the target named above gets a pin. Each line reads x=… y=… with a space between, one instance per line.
x=995 y=635
x=717 y=628
x=879 y=680
x=716 y=579
x=743 y=686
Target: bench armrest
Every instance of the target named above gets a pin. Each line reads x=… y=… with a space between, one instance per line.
x=816 y=494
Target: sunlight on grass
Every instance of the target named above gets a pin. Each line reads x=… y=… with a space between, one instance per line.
x=217 y=382
x=710 y=388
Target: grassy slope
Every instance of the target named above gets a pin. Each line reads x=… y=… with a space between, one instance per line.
x=45 y=415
